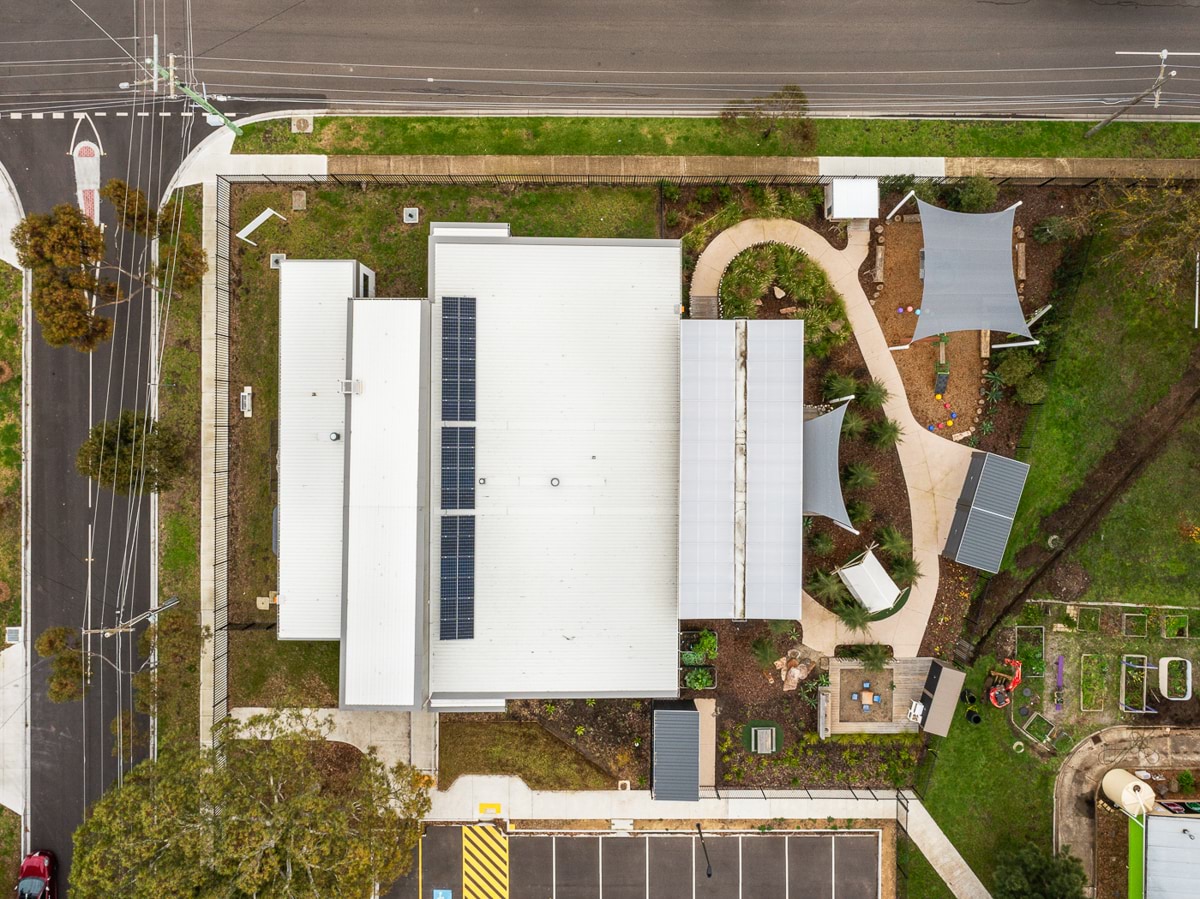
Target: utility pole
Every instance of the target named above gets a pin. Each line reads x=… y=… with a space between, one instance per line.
x=171 y=71
x=175 y=84
x=126 y=627
x=1155 y=88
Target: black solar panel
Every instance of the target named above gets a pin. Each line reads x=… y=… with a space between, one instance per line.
x=458 y=577
x=458 y=468
x=458 y=359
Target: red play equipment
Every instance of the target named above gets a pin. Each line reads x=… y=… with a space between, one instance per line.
x=1004 y=683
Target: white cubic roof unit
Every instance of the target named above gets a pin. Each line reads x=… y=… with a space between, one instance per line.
x=852 y=198
x=869 y=583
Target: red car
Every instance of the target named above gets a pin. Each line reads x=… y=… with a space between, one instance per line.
x=37 y=879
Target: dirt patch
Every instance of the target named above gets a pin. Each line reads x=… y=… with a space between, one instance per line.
x=1112 y=852
x=950 y=606
x=1068 y=581
x=613 y=734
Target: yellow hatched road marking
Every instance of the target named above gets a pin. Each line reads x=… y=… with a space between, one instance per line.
x=485 y=863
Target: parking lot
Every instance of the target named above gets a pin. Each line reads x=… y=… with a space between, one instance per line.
x=795 y=865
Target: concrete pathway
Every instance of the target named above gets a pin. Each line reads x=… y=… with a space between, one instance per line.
x=391 y=734
x=934 y=468
x=14 y=732
x=1114 y=747
x=11 y=213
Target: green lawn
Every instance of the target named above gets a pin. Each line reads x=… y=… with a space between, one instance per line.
x=266 y=671
x=1137 y=857
x=179 y=508
x=10 y=845
x=340 y=223
x=921 y=882
x=515 y=748
x=981 y=792
x=1119 y=351
x=536 y=136
x=10 y=443
x=1139 y=553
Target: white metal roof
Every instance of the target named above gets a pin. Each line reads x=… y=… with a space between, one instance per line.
x=706 y=448
x=1172 y=856
x=385 y=526
x=869 y=583
x=577 y=378
x=313 y=307
x=774 y=468
x=853 y=198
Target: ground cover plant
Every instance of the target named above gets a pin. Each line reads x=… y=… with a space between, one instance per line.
x=10 y=444
x=533 y=135
x=488 y=744
x=339 y=223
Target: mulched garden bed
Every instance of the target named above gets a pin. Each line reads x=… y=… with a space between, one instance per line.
x=1112 y=852
x=955 y=585
x=613 y=734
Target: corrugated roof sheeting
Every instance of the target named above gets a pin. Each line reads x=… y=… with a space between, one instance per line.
x=983 y=520
x=676 y=749
x=969 y=284
x=822 y=470
x=1172 y=857
x=386 y=535
x=578 y=380
x=313 y=309
x=774 y=469
x=706 y=445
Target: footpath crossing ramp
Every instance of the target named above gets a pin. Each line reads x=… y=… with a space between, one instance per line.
x=484 y=863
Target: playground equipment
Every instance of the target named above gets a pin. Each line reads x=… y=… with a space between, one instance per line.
x=1002 y=684
x=941 y=378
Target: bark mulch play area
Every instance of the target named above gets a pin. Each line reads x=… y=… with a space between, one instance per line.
x=862 y=690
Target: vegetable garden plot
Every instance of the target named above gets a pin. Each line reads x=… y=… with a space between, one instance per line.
x=1133 y=624
x=1093 y=682
x=1031 y=650
x=1175 y=626
x=1133 y=684
x=1089 y=619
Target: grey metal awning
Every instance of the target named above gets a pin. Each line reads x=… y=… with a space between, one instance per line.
x=986 y=508
x=969 y=280
x=675 y=764
x=822 y=472
x=940 y=697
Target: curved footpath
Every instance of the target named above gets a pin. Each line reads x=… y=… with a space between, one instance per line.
x=1114 y=747
x=934 y=468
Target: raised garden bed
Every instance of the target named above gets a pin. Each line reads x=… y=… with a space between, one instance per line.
x=698 y=677
x=1031 y=650
x=1175 y=626
x=1093 y=680
x=1039 y=728
x=1133 y=683
x=1175 y=678
x=1133 y=624
x=1089 y=619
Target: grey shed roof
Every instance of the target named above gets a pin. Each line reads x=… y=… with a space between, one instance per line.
x=675 y=769
x=822 y=478
x=969 y=280
x=986 y=508
x=1172 y=859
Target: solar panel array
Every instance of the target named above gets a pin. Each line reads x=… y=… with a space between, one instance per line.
x=458 y=358
x=458 y=469
x=458 y=577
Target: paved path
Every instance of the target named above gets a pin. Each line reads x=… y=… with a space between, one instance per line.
x=14 y=728
x=934 y=468
x=1114 y=747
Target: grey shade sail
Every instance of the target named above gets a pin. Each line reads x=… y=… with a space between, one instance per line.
x=706 y=471
x=822 y=472
x=774 y=469
x=969 y=280
x=986 y=508
x=675 y=762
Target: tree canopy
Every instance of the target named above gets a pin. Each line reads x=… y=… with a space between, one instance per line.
x=62 y=647
x=131 y=453
x=782 y=115
x=275 y=819
x=1027 y=871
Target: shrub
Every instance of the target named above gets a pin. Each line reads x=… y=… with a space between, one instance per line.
x=905 y=571
x=838 y=385
x=973 y=194
x=1052 y=228
x=860 y=513
x=1032 y=390
x=820 y=544
x=854 y=615
x=827 y=586
x=1187 y=781
x=874 y=656
x=764 y=652
x=704 y=195
x=782 y=627
x=874 y=394
x=1015 y=367
x=896 y=184
x=887 y=433
x=860 y=476
x=670 y=190
x=671 y=218
x=699 y=679
x=853 y=425
x=706 y=645
x=892 y=542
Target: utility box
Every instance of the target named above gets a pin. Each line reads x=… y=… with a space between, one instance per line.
x=852 y=198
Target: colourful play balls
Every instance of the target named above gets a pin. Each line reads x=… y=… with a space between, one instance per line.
x=940 y=425
x=945 y=405
x=910 y=308
x=954 y=415
x=931 y=427
x=900 y=310
x=917 y=312
x=937 y=396
x=950 y=423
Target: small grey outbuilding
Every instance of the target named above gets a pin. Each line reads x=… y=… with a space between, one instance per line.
x=675 y=752
x=983 y=519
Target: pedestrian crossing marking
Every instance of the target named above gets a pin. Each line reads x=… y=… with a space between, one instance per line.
x=485 y=863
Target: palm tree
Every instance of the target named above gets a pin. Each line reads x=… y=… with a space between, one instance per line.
x=860 y=476
x=892 y=542
x=874 y=394
x=764 y=653
x=827 y=586
x=874 y=656
x=820 y=544
x=853 y=425
x=887 y=433
x=839 y=385
x=854 y=615
x=860 y=512
x=906 y=571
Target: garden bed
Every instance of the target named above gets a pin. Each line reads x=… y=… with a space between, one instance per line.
x=1134 y=624
x=1089 y=619
x=1133 y=683
x=612 y=734
x=1175 y=625
x=1175 y=679
x=1093 y=682
x=1031 y=650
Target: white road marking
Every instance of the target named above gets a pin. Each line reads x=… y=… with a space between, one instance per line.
x=37 y=115
x=58 y=115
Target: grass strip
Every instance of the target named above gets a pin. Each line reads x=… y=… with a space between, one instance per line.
x=1137 y=856
x=515 y=748
x=11 y=305
x=549 y=136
